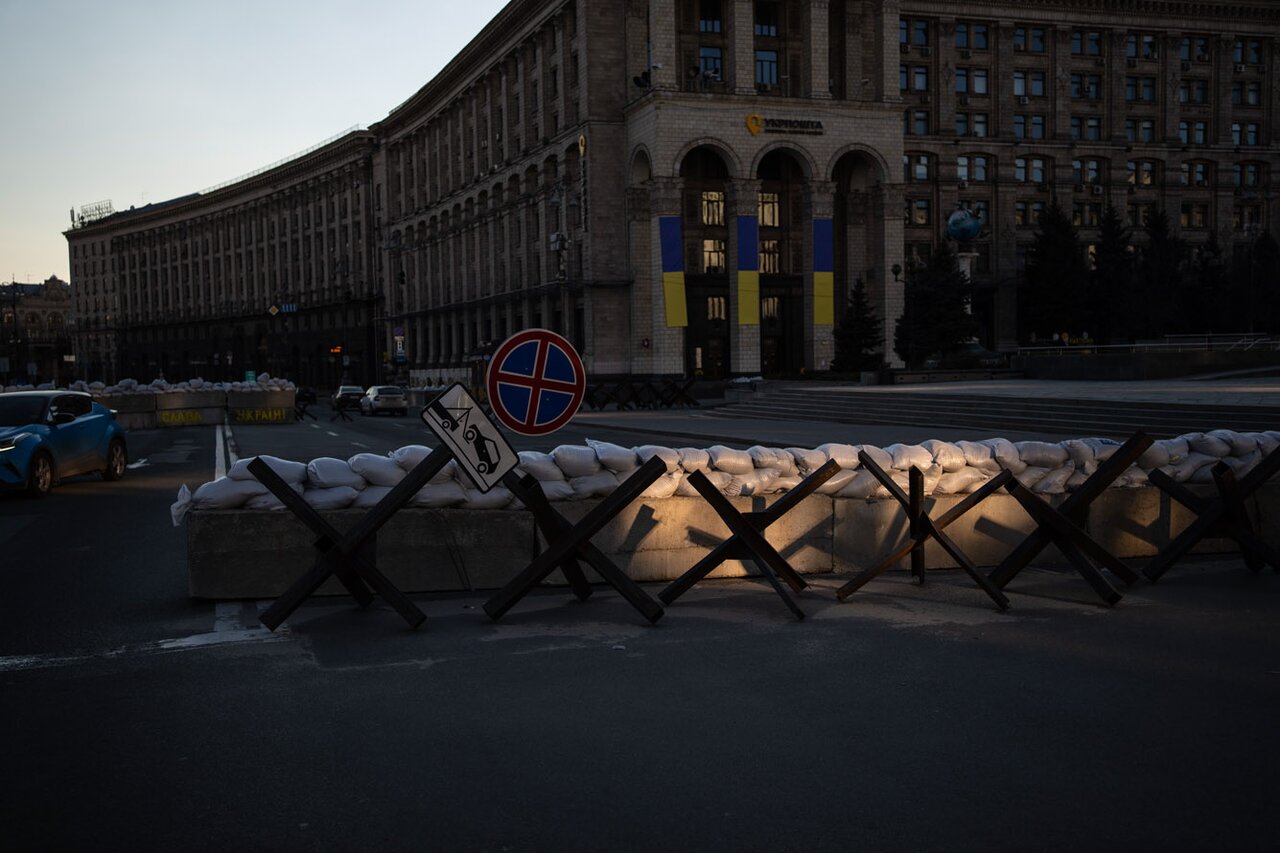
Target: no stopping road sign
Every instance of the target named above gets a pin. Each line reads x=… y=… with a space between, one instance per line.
x=535 y=382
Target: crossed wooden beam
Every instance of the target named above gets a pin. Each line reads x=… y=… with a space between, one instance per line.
x=922 y=528
x=1224 y=515
x=349 y=556
x=1062 y=526
x=747 y=541
x=567 y=543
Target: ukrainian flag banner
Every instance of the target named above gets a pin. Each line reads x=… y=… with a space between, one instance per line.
x=823 y=273
x=748 y=271
x=673 y=296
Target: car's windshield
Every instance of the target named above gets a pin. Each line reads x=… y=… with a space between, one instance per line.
x=19 y=410
x=388 y=389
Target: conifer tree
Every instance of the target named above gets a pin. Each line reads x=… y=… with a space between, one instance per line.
x=1056 y=295
x=858 y=336
x=935 y=317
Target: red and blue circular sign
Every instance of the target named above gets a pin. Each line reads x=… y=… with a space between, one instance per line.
x=535 y=382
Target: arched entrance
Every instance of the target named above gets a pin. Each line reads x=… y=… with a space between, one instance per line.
x=782 y=230
x=859 y=229
x=705 y=178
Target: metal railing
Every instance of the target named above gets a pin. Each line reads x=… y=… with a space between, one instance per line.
x=1243 y=342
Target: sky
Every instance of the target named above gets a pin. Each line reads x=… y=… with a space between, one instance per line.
x=138 y=101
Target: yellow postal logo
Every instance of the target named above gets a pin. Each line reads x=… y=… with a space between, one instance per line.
x=755 y=123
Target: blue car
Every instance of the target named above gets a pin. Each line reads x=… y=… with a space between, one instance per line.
x=46 y=436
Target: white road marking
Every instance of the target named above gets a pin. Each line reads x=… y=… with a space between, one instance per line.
x=137 y=463
x=314 y=426
x=358 y=444
x=228 y=629
x=232 y=456
x=332 y=433
x=219 y=458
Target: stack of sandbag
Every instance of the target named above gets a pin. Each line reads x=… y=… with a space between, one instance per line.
x=594 y=470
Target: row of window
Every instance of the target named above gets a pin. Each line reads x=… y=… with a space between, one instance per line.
x=766 y=22
x=980 y=168
x=711 y=65
x=1088 y=214
x=1031 y=84
x=712 y=212
x=1034 y=126
x=976 y=35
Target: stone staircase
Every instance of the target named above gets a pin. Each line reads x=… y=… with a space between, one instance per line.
x=992 y=412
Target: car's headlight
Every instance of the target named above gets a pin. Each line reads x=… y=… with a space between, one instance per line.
x=12 y=441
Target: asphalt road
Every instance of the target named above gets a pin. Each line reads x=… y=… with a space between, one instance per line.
x=910 y=718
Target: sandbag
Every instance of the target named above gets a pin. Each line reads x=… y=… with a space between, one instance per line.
x=1005 y=454
x=665 y=486
x=719 y=479
x=772 y=457
x=946 y=454
x=838 y=481
x=1240 y=443
x=226 y=493
x=576 y=460
x=977 y=455
x=1031 y=475
x=1103 y=448
x=1042 y=454
x=1132 y=478
x=332 y=497
x=329 y=473
x=807 y=461
x=1241 y=465
x=862 y=485
x=267 y=502
x=290 y=472
x=878 y=455
x=731 y=461
x=906 y=455
x=669 y=457
x=1054 y=482
x=758 y=482
x=1082 y=455
x=1184 y=471
x=438 y=495
x=541 y=466
x=593 y=485
x=369 y=497
x=1209 y=445
x=378 y=470
x=960 y=482
x=845 y=455
x=1266 y=443
x=694 y=459
x=787 y=483
x=496 y=498
x=619 y=460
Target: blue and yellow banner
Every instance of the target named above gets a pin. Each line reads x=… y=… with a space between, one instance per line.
x=748 y=271
x=824 y=311
x=673 y=294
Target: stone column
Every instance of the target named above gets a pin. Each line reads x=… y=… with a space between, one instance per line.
x=818 y=78
x=742 y=47
x=819 y=274
x=888 y=293
x=666 y=346
x=744 y=319
x=665 y=60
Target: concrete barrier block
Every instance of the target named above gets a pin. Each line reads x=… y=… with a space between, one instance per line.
x=191 y=400
x=129 y=403
x=248 y=554
x=260 y=407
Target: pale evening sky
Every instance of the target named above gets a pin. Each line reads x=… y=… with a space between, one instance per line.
x=139 y=101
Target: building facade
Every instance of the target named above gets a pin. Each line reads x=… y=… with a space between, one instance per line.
x=36 y=322
x=694 y=186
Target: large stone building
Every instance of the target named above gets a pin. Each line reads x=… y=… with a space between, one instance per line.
x=694 y=185
x=35 y=332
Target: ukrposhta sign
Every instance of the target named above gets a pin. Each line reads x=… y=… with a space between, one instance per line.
x=476 y=442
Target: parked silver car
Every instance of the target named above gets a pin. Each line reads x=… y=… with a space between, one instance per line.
x=384 y=398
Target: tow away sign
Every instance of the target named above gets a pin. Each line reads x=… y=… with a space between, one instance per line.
x=477 y=444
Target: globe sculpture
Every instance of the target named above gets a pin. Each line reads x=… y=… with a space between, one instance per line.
x=963 y=226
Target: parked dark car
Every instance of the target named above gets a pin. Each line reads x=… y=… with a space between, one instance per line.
x=347 y=397
x=46 y=436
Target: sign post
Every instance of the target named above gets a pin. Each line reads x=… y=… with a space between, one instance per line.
x=536 y=383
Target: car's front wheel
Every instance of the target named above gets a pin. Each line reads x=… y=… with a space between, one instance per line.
x=117 y=461
x=40 y=477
